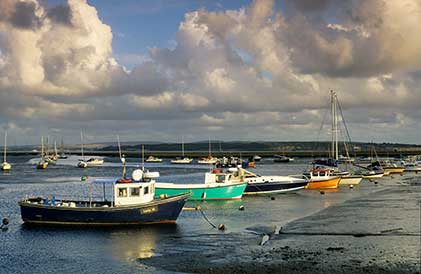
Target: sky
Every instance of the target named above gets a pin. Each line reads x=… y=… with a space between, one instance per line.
x=225 y=70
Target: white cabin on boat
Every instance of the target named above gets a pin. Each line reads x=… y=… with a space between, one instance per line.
x=140 y=189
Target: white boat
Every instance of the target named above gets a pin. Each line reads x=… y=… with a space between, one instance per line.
x=82 y=163
x=152 y=159
x=257 y=158
x=268 y=184
x=373 y=174
x=210 y=160
x=43 y=163
x=413 y=166
x=5 y=166
x=282 y=159
x=95 y=162
x=182 y=160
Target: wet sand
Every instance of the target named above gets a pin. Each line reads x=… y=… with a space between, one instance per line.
x=375 y=233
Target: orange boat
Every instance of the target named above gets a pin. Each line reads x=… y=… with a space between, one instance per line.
x=322 y=179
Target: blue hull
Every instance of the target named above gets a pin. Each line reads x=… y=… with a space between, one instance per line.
x=273 y=187
x=158 y=211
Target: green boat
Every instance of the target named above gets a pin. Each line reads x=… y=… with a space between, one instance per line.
x=217 y=186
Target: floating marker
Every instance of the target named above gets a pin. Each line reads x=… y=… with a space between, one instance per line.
x=322 y=192
x=265 y=238
x=351 y=186
x=272 y=198
x=241 y=208
x=221 y=227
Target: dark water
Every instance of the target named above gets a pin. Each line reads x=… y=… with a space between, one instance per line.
x=117 y=250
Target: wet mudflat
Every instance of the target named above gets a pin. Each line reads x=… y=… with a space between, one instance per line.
x=375 y=233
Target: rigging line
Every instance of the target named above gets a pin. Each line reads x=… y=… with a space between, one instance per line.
x=320 y=130
x=343 y=120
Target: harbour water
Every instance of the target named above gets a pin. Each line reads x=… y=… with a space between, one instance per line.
x=123 y=250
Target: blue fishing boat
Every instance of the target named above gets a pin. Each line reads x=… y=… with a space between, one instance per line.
x=133 y=203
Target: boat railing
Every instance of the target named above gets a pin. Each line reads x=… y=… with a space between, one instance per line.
x=300 y=176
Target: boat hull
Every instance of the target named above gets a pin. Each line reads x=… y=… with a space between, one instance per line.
x=324 y=184
x=158 y=211
x=273 y=187
x=350 y=180
x=6 y=166
x=373 y=176
x=394 y=170
x=203 y=191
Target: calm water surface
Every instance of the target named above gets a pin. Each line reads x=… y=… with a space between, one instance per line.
x=117 y=250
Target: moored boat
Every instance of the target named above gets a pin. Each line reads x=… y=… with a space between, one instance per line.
x=282 y=159
x=264 y=184
x=152 y=159
x=322 y=179
x=5 y=166
x=182 y=160
x=218 y=186
x=133 y=203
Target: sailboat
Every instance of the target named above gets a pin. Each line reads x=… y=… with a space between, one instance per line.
x=183 y=159
x=210 y=160
x=91 y=161
x=82 y=163
x=5 y=166
x=43 y=163
x=62 y=154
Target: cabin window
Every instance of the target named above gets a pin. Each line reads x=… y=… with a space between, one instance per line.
x=220 y=178
x=322 y=173
x=134 y=191
x=122 y=192
x=146 y=190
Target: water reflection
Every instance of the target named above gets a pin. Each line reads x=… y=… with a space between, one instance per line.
x=141 y=243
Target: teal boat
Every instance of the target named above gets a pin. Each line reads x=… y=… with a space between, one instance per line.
x=217 y=186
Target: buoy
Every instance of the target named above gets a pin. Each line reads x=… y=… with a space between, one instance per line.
x=83 y=178
x=272 y=198
x=351 y=186
x=265 y=238
x=375 y=182
x=322 y=192
x=221 y=227
x=198 y=207
x=5 y=221
x=241 y=208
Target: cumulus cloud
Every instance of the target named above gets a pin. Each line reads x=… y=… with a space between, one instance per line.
x=253 y=72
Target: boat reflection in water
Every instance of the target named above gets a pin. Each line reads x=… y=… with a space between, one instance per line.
x=132 y=244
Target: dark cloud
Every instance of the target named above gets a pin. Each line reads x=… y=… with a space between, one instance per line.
x=61 y=14
x=24 y=16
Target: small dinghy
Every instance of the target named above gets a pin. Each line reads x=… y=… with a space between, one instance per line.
x=133 y=203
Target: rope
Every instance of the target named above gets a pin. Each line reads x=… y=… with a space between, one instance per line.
x=206 y=218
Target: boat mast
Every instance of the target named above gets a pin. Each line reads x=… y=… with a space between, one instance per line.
x=81 y=140
x=334 y=125
x=5 y=146
x=42 y=146
x=143 y=157
x=182 y=146
x=210 y=148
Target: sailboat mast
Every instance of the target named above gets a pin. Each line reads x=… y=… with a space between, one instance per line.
x=335 y=105
x=209 y=148
x=182 y=146
x=81 y=140
x=42 y=146
x=332 y=112
x=143 y=157
x=5 y=146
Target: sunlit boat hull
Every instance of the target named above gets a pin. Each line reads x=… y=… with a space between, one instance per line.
x=324 y=184
x=158 y=211
x=394 y=170
x=6 y=166
x=350 y=180
x=274 y=187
